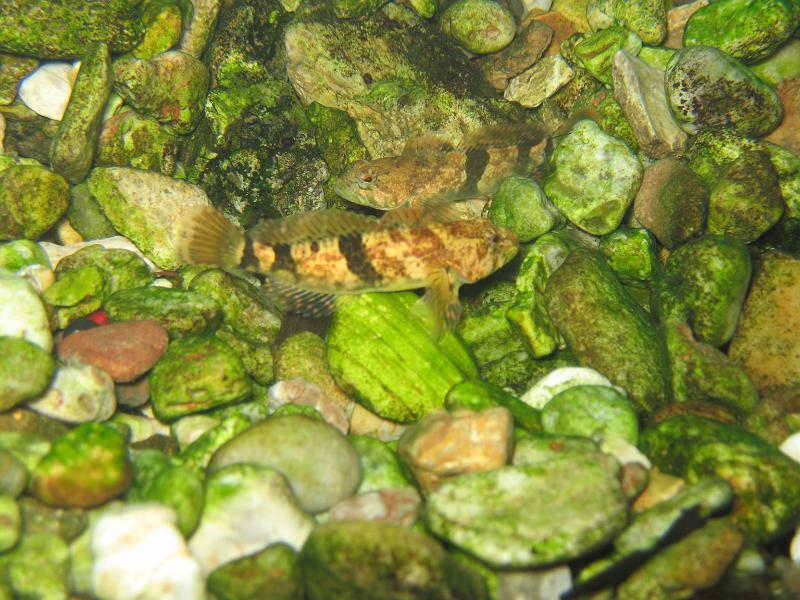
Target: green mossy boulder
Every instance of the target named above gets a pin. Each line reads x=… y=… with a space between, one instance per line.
x=25 y=371
x=270 y=574
x=632 y=253
x=361 y=560
x=765 y=481
x=520 y=205
x=596 y=51
x=607 y=330
x=32 y=200
x=129 y=139
x=591 y=410
x=704 y=284
x=85 y=467
x=196 y=374
x=480 y=26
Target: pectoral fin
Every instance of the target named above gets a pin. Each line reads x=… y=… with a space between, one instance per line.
x=305 y=302
x=441 y=302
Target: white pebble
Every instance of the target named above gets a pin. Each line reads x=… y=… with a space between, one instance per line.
x=562 y=379
x=794 y=547
x=56 y=252
x=624 y=451
x=140 y=555
x=791 y=446
x=46 y=91
x=77 y=394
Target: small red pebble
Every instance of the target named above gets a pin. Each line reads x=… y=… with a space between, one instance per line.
x=99 y=317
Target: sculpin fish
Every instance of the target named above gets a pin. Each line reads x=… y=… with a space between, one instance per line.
x=432 y=168
x=308 y=259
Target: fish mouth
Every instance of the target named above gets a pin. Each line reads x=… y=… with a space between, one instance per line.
x=346 y=192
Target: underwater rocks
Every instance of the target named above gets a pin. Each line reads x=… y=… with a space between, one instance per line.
x=32 y=199
x=480 y=26
x=25 y=371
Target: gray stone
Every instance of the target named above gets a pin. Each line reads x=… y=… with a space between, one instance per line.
x=78 y=393
x=536 y=84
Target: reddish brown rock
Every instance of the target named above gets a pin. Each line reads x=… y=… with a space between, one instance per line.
x=124 y=350
x=521 y=53
x=788 y=132
x=562 y=28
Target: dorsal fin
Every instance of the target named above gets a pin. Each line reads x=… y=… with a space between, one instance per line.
x=427 y=144
x=502 y=136
x=313 y=225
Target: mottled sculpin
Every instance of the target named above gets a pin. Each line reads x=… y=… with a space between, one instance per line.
x=309 y=258
x=432 y=168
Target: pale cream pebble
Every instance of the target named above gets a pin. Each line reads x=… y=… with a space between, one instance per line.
x=624 y=451
x=139 y=554
x=189 y=428
x=67 y=234
x=77 y=394
x=365 y=422
x=558 y=380
x=46 y=91
x=542 y=584
x=660 y=487
x=399 y=506
x=57 y=252
x=299 y=391
x=791 y=446
x=537 y=83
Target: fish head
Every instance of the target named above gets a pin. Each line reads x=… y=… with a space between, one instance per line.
x=384 y=183
x=479 y=248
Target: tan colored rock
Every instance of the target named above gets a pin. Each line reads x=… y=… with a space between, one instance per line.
x=299 y=391
x=445 y=445
x=538 y=83
x=365 y=422
x=676 y=22
x=521 y=53
x=124 y=350
x=660 y=487
x=788 y=132
x=767 y=340
x=639 y=89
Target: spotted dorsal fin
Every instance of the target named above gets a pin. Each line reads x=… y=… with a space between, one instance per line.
x=292 y=298
x=313 y=225
x=425 y=145
x=503 y=136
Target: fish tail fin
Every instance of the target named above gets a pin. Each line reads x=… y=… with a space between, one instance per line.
x=204 y=236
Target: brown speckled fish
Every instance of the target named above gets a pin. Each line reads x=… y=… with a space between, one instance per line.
x=431 y=168
x=309 y=258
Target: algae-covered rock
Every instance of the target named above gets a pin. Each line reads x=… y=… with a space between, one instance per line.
x=243 y=309
x=594 y=178
x=744 y=29
x=709 y=152
x=16 y=255
x=22 y=314
x=767 y=341
x=536 y=84
x=606 y=330
x=349 y=9
x=48 y=29
x=672 y=202
x=384 y=355
x=84 y=468
x=745 y=201
x=129 y=139
x=270 y=574
x=11 y=521
x=707 y=89
x=590 y=410
x=85 y=215
x=247 y=507
x=480 y=26
x=647 y=18
x=25 y=371
x=73 y=148
x=144 y=207
x=359 y=560
x=163 y=21
x=393 y=74
x=37 y=567
x=783 y=66
x=704 y=283
x=122 y=268
x=256 y=357
x=765 y=481
x=170 y=88
x=596 y=51
x=520 y=205
x=181 y=312
x=13 y=474
x=326 y=472
x=155 y=479
x=77 y=293
x=479 y=395
x=696 y=562
x=196 y=373
x=488 y=515
x=379 y=464
x=13 y=69
x=631 y=253
x=198 y=453
x=32 y=199
x=700 y=372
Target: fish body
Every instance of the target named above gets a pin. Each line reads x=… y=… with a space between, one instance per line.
x=309 y=258
x=431 y=168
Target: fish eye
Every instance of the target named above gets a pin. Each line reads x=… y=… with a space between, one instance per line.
x=494 y=238
x=366 y=180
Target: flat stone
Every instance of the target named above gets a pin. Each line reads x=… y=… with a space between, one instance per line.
x=538 y=83
x=562 y=29
x=639 y=89
x=46 y=91
x=521 y=53
x=78 y=394
x=399 y=506
x=124 y=350
x=787 y=134
x=299 y=391
x=677 y=18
